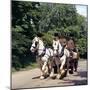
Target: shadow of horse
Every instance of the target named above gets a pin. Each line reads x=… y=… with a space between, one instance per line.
x=82 y=74
x=38 y=77
x=80 y=82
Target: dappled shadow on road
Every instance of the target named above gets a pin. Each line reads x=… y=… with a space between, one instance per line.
x=82 y=74
x=76 y=79
x=80 y=82
x=76 y=82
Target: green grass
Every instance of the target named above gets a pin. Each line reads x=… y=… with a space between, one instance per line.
x=31 y=66
x=13 y=70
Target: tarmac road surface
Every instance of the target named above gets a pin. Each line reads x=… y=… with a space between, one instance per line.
x=30 y=78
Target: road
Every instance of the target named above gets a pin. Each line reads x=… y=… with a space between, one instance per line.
x=30 y=78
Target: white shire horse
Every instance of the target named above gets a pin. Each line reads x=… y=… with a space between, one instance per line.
x=43 y=55
x=57 y=50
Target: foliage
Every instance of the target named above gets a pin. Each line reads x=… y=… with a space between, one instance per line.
x=28 y=18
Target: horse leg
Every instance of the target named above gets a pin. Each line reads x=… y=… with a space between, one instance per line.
x=61 y=69
x=46 y=70
x=72 y=66
x=38 y=59
x=52 y=72
x=41 y=76
x=75 y=64
x=57 y=62
x=42 y=72
x=44 y=66
x=67 y=66
x=63 y=60
x=49 y=68
x=52 y=67
x=58 y=71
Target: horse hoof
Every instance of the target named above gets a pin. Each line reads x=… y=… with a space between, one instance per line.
x=71 y=72
x=75 y=70
x=63 y=71
x=51 y=75
x=75 y=73
x=62 y=74
x=58 y=76
x=41 y=77
x=68 y=74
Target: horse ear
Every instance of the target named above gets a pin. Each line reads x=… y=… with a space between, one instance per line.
x=36 y=43
x=39 y=34
x=56 y=34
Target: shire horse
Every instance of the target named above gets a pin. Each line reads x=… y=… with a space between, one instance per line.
x=60 y=55
x=42 y=57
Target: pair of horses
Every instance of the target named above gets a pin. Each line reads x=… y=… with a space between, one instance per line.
x=48 y=58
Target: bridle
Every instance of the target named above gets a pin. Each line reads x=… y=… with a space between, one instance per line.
x=56 y=49
x=36 y=47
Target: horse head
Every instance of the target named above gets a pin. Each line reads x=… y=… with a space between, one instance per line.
x=55 y=47
x=37 y=46
x=34 y=45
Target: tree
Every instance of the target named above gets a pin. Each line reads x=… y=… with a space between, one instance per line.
x=57 y=16
x=25 y=17
x=28 y=18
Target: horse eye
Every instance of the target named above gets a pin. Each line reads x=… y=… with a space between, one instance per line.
x=36 y=43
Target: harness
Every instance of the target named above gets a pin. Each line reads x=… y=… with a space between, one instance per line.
x=62 y=52
x=43 y=53
x=36 y=47
x=49 y=52
x=56 y=49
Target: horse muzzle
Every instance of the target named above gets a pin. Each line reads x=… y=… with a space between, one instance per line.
x=32 y=49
